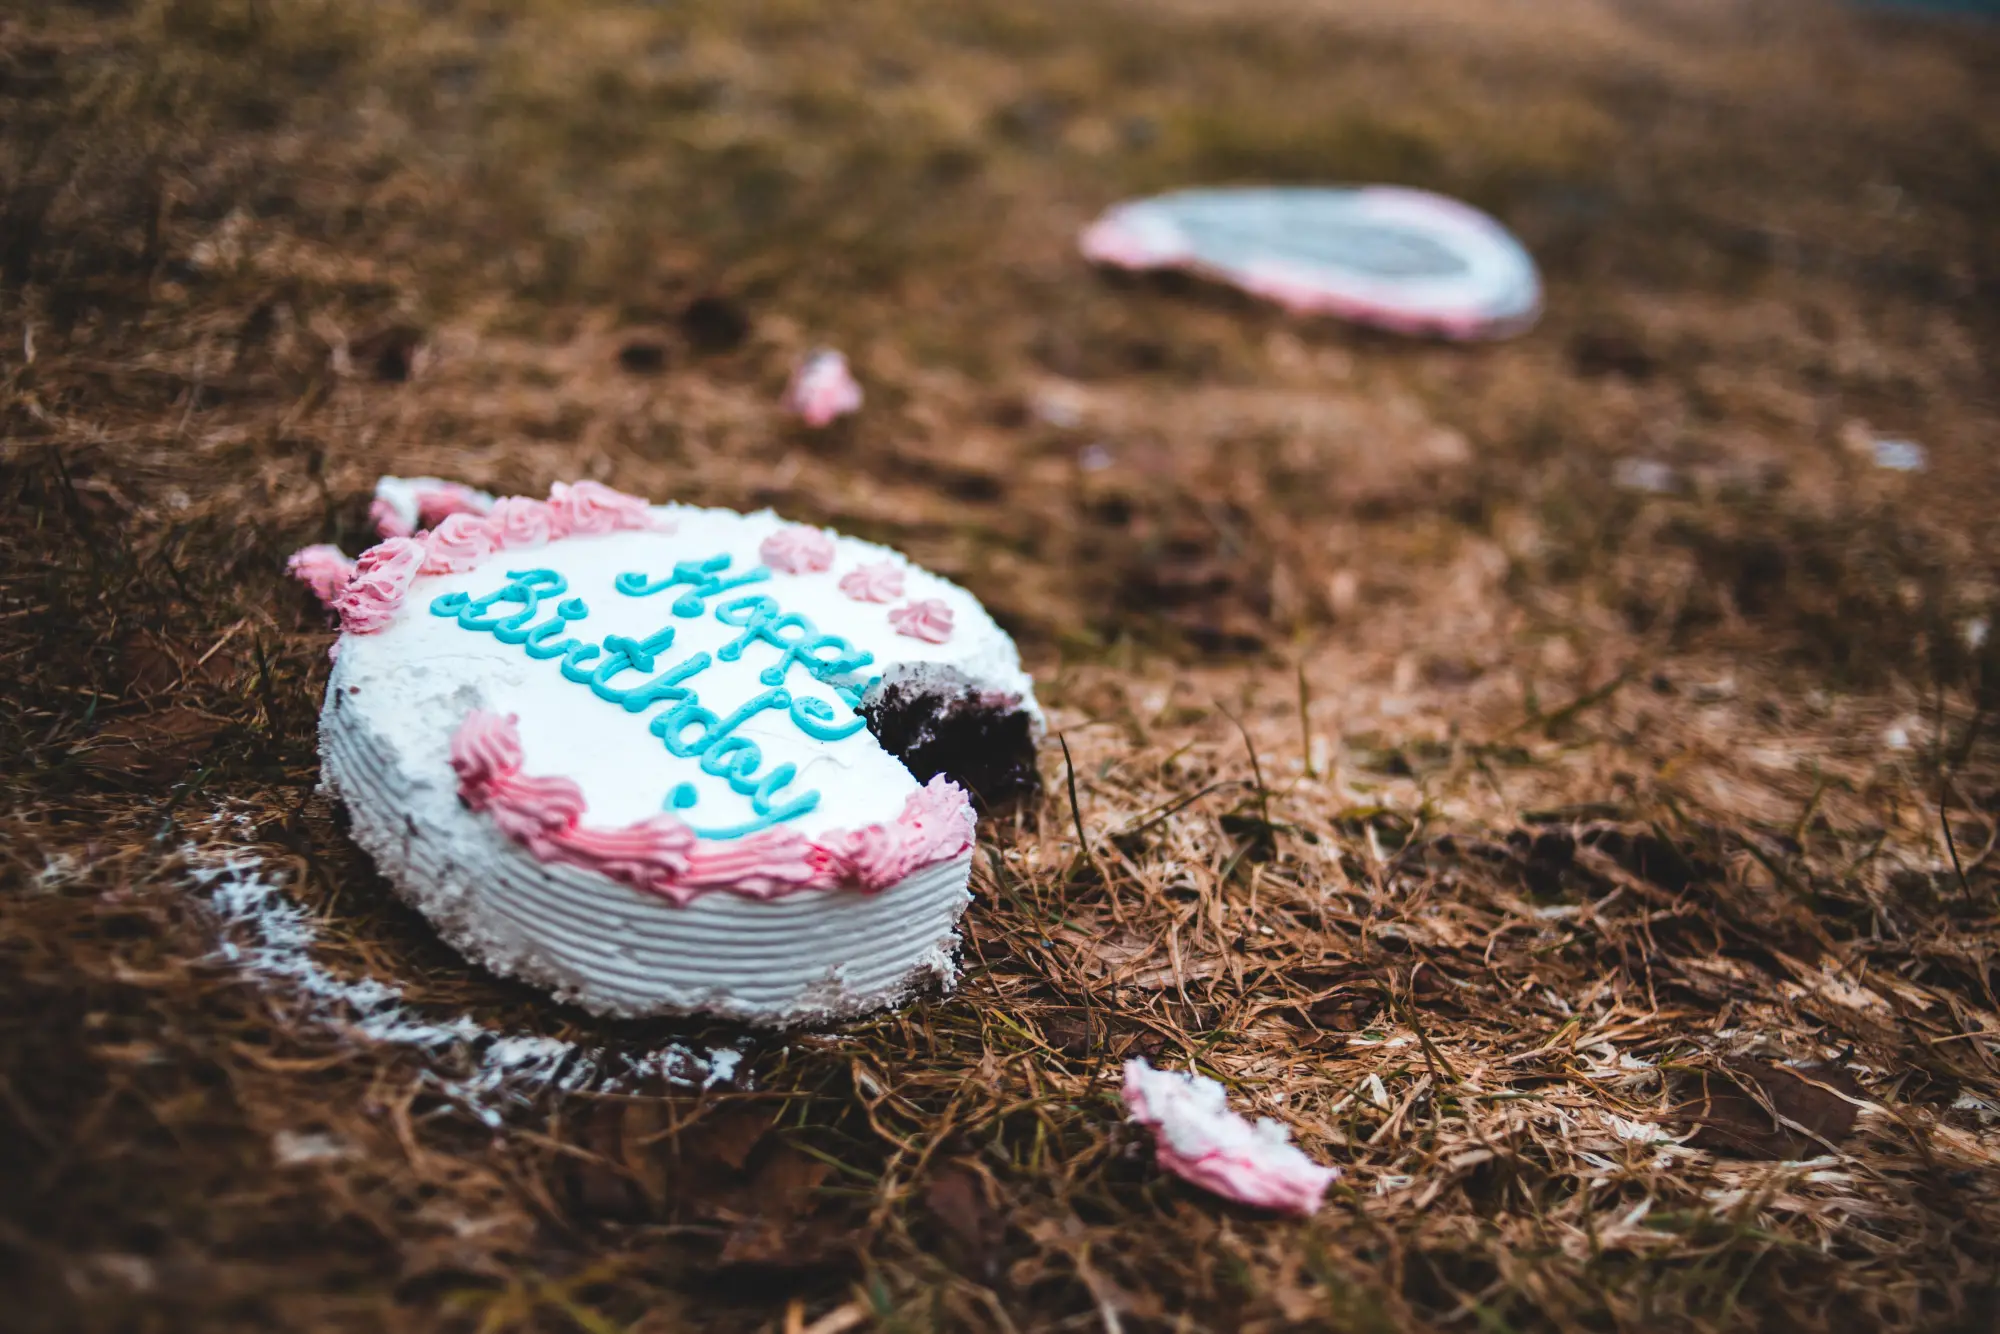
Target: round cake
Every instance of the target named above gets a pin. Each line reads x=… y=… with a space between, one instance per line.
x=662 y=759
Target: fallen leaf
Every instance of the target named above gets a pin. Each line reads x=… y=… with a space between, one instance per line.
x=154 y=746
x=957 y=1198
x=1074 y=1033
x=598 y=1187
x=729 y=1134
x=786 y=1180
x=778 y=1235
x=1733 y=1106
x=1342 y=1013
x=149 y=669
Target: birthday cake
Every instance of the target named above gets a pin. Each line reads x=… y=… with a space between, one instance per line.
x=661 y=759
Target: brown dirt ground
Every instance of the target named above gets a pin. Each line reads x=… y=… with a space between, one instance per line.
x=1523 y=837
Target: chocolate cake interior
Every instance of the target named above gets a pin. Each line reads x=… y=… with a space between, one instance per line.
x=938 y=722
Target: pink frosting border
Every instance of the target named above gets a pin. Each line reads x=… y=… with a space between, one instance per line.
x=367 y=599
x=662 y=855
x=435 y=503
x=324 y=568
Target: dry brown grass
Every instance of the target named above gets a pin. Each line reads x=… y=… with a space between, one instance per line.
x=1527 y=842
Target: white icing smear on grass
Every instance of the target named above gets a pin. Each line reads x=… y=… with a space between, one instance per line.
x=268 y=936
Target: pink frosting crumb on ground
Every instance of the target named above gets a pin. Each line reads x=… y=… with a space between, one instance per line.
x=1197 y=1138
x=927 y=619
x=822 y=389
x=662 y=855
x=880 y=582
x=797 y=549
x=323 y=569
x=375 y=585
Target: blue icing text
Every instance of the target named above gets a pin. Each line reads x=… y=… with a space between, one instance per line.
x=633 y=673
x=829 y=659
x=704 y=579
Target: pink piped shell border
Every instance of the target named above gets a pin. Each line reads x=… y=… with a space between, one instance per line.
x=367 y=594
x=434 y=503
x=662 y=855
x=325 y=569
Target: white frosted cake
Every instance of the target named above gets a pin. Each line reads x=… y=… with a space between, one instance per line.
x=661 y=759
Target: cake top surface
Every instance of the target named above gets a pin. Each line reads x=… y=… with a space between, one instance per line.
x=604 y=675
x=707 y=636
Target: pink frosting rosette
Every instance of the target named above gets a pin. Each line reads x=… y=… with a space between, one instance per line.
x=880 y=582
x=323 y=569
x=797 y=549
x=928 y=619
x=592 y=508
x=469 y=531
x=936 y=825
x=459 y=544
x=388 y=520
x=870 y=855
x=523 y=522
x=401 y=507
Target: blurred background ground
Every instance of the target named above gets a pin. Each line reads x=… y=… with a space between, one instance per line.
x=1524 y=770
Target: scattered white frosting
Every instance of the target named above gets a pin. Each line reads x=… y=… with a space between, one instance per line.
x=272 y=938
